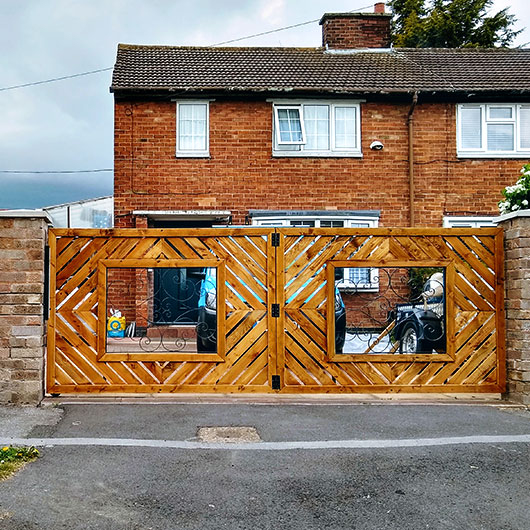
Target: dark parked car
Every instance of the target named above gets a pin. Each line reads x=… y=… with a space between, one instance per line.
x=420 y=327
x=207 y=320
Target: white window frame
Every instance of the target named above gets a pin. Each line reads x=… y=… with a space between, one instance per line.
x=193 y=153
x=483 y=151
x=333 y=151
x=349 y=222
x=300 y=110
x=465 y=221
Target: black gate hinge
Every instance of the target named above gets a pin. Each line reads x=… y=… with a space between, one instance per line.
x=275 y=239
x=275 y=310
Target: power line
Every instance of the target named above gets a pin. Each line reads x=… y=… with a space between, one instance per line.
x=211 y=45
x=265 y=33
x=56 y=79
x=104 y=170
x=281 y=29
x=65 y=171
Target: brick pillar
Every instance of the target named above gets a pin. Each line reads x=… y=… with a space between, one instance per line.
x=517 y=292
x=22 y=330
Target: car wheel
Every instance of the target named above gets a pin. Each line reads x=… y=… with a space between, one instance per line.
x=410 y=343
x=409 y=339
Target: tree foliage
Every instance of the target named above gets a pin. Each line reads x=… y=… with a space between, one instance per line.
x=450 y=24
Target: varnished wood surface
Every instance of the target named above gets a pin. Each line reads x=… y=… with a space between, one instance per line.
x=299 y=345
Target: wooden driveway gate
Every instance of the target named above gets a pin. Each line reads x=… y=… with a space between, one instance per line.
x=275 y=288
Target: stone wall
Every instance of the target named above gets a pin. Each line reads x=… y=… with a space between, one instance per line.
x=22 y=263
x=517 y=290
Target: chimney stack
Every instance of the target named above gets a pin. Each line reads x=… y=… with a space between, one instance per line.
x=356 y=30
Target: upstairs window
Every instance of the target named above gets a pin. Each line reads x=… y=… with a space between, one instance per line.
x=496 y=130
x=289 y=124
x=192 y=129
x=317 y=128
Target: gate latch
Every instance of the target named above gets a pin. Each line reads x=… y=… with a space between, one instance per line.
x=275 y=310
x=275 y=239
x=275 y=382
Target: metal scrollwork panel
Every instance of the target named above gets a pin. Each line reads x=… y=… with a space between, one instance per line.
x=390 y=310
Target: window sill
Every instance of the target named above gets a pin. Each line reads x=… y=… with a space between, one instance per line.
x=294 y=154
x=192 y=155
x=493 y=155
x=348 y=289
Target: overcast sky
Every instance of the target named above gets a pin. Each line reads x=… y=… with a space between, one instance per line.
x=68 y=125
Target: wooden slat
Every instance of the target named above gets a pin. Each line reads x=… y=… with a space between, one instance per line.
x=232 y=375
x=415 y=249
x=298 y=322
x=314 y=369
x=245 y=263
x=315 y=261
x=482 y=269
x=256 y=252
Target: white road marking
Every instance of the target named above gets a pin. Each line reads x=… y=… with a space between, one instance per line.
x=269 y=446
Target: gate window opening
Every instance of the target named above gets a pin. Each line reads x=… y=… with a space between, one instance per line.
x=159 y=312
x=407 y=317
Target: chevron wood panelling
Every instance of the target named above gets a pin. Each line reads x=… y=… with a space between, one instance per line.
x=474 y=325
x=297 y=345
x=77 y=360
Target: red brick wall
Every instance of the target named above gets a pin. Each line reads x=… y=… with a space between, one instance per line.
x=370 y=310
x=356 y=31
x=241 y=173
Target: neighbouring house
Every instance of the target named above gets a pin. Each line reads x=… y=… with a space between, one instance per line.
x=353 y=133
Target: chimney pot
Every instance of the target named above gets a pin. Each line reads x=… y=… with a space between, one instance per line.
x=379 y=7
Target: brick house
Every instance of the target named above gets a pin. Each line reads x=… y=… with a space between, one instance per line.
x=352 y=133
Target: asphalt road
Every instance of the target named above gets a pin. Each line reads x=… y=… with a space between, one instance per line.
x=467 y=484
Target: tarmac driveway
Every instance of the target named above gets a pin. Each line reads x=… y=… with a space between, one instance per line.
x=378 y=466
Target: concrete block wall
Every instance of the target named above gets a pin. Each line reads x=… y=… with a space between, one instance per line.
x=22 y=263
x=517 y=291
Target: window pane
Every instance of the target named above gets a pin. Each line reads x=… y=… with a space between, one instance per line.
x=345 y=127
x=501 y=113
x=316 y=119
x=186 y=112
x=199 y=112
x=290 y=126
x=500 y=137
x=331 y=224
x=192 y=127
x=296 y=222
x=471 y=128
x=524 y=127
x=359 y=276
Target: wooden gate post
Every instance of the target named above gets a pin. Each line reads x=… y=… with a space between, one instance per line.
x=516 y=227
